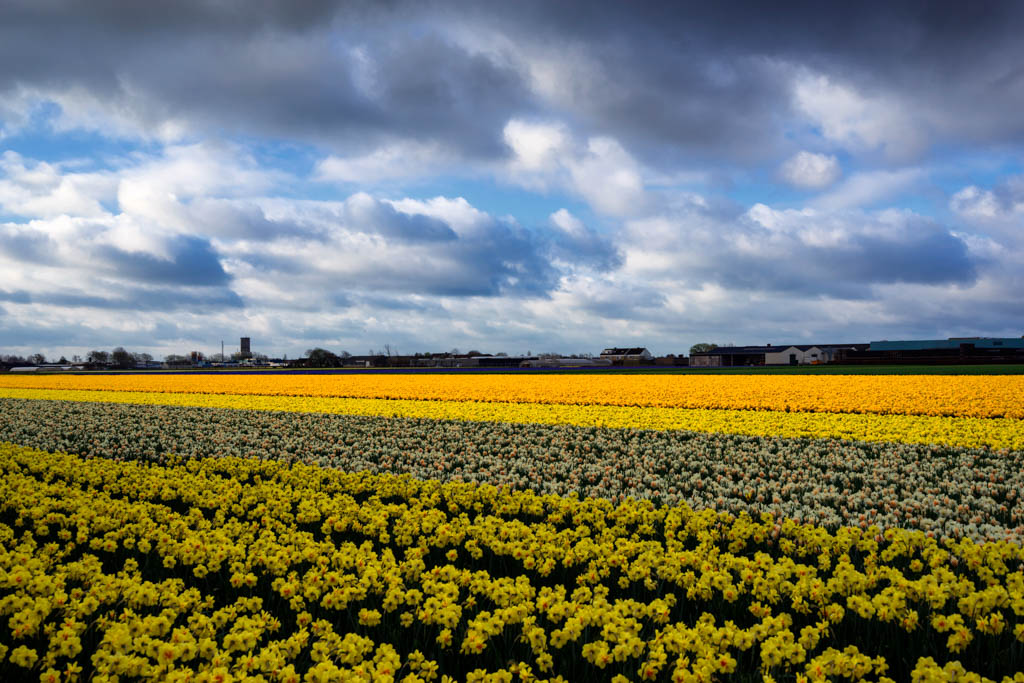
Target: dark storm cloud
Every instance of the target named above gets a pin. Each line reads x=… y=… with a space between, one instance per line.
x=705 y=78
x=193 y=263
x=269 y=73
x=706 y=75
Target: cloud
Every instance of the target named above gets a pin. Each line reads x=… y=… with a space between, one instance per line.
x=366 y=214
x=974 y=202
x=807 y=253
x=574 y=243
x=138 y=299
x=537 y=147
x=338 y=173
x=398 y=160
x=1005 y=201
x=601 y=171
x=27 y=245
x=192 y=262
x=810 y=171
x=37 y=189
x=998 y=211
x=669 y=82
x=868 y=188
x=855 y=121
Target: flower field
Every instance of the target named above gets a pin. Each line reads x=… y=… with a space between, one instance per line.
x=500 y=528
x=955 y=431
x=963 y=396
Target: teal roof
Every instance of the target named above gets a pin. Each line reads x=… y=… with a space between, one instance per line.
x=920 y=344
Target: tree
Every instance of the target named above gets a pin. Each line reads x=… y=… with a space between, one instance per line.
x=38 y=359
x=321 y=358
x=141 y=358
x=98 y=357
x=121 y=358
x=702 y=348
x=63 y=360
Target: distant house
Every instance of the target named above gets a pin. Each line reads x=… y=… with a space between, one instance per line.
x=620 y=356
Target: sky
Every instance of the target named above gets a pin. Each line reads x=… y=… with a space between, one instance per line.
x=507 y=177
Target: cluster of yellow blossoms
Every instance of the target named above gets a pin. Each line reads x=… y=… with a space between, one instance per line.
x=224 y=569
x=952 y=431
x=983 y=396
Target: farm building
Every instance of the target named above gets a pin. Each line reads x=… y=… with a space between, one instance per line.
x=620 y=356
x=954 y=350
x=791 y=354
x=954 y=343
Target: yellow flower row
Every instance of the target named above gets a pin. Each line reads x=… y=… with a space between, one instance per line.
x=953 y=431
x=224 y=569
x=967 y=396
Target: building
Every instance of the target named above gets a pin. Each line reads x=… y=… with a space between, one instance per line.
x=554 y=362
x=786 y=354
x=953 y=343
x=624 y=356
x=729 y=357
x=245 y=348
x=952 y=351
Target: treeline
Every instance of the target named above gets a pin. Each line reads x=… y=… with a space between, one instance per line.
x=119 y=358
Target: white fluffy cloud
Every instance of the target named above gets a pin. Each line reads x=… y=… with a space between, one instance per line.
x=37 y=189
x=397 y=160
x=536 y=147
x=858 y=121
x=869 y=188
x=974 y=202
x=810 y=171
x=601 y=171
x=998 y=212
